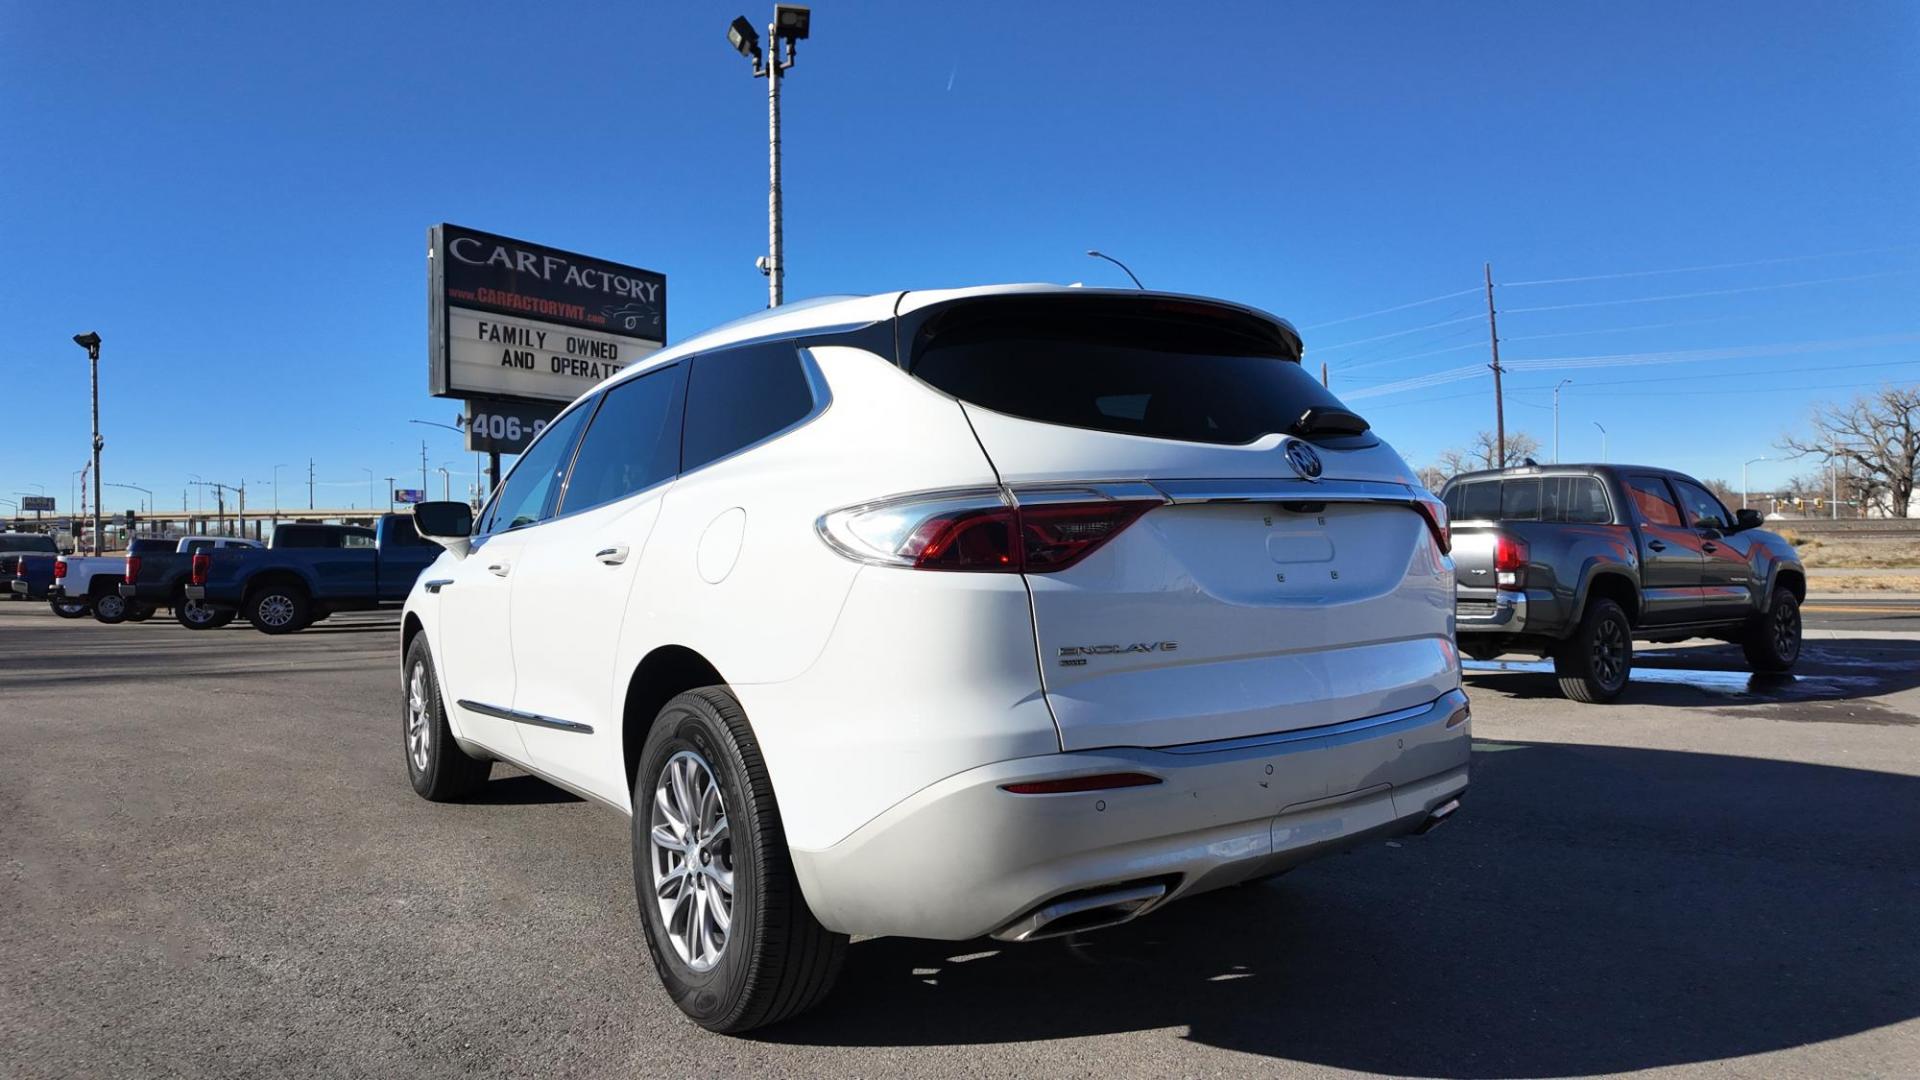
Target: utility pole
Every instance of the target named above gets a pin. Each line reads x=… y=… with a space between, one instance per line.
x=1323 y=374
x=1556 y=419
x=1833 y=470
x=1499 y=403
x=423 y=467
x=390 y=482
x=790 y=24
x=90 y=341
x=309 y=483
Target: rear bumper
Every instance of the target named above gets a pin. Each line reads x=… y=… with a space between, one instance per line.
x=963 y=857
x=1533 y=611
x=196 y=592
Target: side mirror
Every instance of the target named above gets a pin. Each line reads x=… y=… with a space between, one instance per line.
x=449 y=524
x=1748 y=519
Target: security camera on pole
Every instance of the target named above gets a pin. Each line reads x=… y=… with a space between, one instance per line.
x=790 y=24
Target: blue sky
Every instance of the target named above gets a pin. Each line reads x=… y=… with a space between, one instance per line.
x=236 y=197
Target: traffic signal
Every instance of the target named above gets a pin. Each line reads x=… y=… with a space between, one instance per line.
x=129 y=521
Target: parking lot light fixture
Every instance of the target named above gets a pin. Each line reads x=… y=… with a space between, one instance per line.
x=1743 y=477
x=791 y=23
x=1118 y=263
x=90 y=341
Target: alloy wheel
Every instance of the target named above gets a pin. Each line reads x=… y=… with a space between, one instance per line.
x=692 y=847
x=419 y=730
x=1786 y=630
x=276 y=610
x=1609 y=653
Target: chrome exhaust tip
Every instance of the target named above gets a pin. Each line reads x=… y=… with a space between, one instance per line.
x=1088 y=911
x=1438 y=818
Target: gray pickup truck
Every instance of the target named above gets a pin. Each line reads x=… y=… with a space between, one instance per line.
x=1575 y=562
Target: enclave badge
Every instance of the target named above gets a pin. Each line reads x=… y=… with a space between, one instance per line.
x=1304 y=459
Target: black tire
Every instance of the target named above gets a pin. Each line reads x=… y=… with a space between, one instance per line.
x=69 y=608
x=279 y=608
x=775 y=960
x=1594 y=664
x=436 y=766
x=200 y=615
x=1772 y=640
x=110 y=608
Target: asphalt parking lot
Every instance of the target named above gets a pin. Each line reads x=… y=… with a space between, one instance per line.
x=213 y=866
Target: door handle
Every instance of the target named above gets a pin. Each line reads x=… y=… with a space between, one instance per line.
x=1656 y=545
x=500 y=569
x=612 y=556
x=1709 y=547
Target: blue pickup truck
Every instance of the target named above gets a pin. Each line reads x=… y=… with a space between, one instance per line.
x=283 y=589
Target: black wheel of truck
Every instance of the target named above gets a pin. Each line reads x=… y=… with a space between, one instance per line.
x=109 y=608
x=279 y=608
x=1772 y=640
x=730 y=934
x=1593 y=665
x=200 y=615
x=70 y=608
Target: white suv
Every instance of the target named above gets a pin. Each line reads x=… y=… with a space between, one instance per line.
x=1017 y=611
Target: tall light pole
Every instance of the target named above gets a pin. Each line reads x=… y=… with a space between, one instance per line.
x=790 y=24
x=446 y=483
x=371 y=499
x=136 y=487
x=276 y=492
x=1121 y=265
x=1556 y=419
x=1603 y=442
x=90 y=341
x=1743 y=478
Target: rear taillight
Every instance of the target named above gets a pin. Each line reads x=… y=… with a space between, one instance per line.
x=59 y=569
x=197 y=570
x=1509 y=562
x=133 y=569
x=981 y=530
x=1435 y=512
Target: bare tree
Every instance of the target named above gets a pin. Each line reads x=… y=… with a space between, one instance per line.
x=1483 y=452
x=1874 y=441
x=1432 y=477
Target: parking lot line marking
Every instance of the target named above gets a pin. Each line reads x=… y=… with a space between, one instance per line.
x=1862 y=610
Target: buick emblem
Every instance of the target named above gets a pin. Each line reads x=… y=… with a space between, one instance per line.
x=1304 y=460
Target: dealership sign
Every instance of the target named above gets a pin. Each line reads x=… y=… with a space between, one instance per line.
x=504 y=427
x=516 y=321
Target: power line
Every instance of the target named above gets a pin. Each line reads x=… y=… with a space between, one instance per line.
x=1721 y=375
x=1755 y=389
x=1713 y=292
x=1390 y=310
x=1709 y=266
x=1316 y=350
x=1621 y=329
x=1739 y=352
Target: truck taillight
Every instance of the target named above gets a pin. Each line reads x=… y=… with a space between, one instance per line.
x=1509 y=562
x=59 y=569
x=980 y=531
x=133 y=569
x=197 y=573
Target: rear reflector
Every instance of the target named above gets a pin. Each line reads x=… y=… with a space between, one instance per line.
x=1100 y=782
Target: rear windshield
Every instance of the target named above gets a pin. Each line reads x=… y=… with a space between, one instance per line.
x=321 y=536
x=150 y=547
x=1578 y=499
x=27 y=542
x=1129 y=368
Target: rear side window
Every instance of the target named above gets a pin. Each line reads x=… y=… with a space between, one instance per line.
x=737 y=397
x=1475 y=501
x=1655 y=504
x=199 y=545
x=1578 y=499
x=1125 y=368
x=1520 y=500
x=632 y=443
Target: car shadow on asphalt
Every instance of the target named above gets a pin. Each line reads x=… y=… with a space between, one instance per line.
x=1718 y=676
x=1595 y=909
x=519 y=790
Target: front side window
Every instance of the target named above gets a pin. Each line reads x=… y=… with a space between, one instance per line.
x=528 y=490
x=1703 y=510
x=737 y=397
x=1655 y=505
x=632 y=443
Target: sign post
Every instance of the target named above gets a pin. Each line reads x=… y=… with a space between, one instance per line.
x=521 y=329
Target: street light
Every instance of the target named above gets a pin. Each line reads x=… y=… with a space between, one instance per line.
x=90 y=341
x=446 y=483
x=791 y=23
x=1556 y=419
x=1603 y=442
x=136 y=487
x=1118 y=263
x=276 y=492
x=1743 y=477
